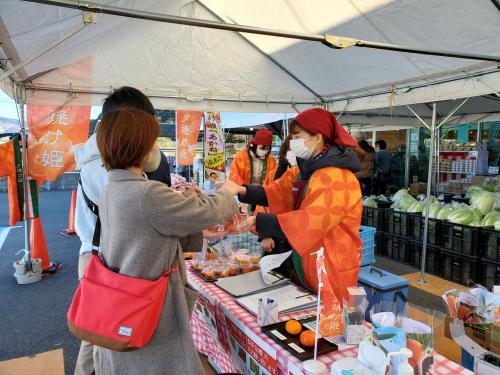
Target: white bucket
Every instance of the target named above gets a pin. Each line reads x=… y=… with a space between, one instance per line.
x=20 y=267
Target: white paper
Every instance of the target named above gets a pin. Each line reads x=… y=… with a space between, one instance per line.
x=270 y=262
x=285 y=297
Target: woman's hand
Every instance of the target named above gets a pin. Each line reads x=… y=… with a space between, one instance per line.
x=267 y=244
x=193 y=190
x=246 y=224
x=232 y=188
x=209 y=233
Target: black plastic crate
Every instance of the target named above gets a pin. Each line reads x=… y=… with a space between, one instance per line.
x=460 y=269
x=373 y=217
x=417 y=223
x=490 y=244
x=432 y=257
x=397 y=248
x=396 y=222
x=380 y=248
x=461 y=239
x=491 y=273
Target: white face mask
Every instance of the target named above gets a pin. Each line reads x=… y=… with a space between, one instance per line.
x=291 y=158
x=377 y=149
x=261 y=153
x=298 y=147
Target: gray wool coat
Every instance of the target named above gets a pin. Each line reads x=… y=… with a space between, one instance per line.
x=141 y=224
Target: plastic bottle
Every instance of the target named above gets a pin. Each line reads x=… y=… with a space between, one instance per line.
x=404 y=368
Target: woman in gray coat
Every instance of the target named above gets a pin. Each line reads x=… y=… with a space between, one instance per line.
x=142 y=221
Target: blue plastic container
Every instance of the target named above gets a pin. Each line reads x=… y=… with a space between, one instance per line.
x=367 y=235
x=383 y=286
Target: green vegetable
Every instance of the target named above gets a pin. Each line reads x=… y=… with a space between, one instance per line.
x=483 y=201
x=490 y=219
x=444 y=213
x=415 y=207
x=399 y=194
x=477 y=215
x=497 y=225
x=406 y=201
x=433 y=210
x=370 y=202
x=462 y=216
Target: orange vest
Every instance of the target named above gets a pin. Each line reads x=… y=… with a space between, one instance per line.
x=329 y=217
x=240 y=171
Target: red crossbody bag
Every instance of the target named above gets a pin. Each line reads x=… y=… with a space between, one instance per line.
x=111 y=310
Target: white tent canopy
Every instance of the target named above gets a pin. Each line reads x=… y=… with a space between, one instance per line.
x=198 y=68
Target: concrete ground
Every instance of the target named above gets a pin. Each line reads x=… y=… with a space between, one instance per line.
x=33 y=317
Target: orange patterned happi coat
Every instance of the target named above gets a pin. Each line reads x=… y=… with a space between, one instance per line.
x=329 y=217
x=240 y=169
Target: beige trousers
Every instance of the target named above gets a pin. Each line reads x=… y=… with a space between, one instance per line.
x=87 y=353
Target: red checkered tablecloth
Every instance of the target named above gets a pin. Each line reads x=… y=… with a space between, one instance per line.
x=226 y=309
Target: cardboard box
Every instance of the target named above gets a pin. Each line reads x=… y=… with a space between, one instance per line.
x=487 y=339
x=478 y=180
x=418 y=188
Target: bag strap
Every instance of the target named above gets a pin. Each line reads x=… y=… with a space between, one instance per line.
x=91 y=205
x=94 y=208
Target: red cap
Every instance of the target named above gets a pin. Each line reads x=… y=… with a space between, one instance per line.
x=317 y=120
x=262 y=137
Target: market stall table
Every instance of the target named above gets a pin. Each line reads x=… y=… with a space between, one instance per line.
x=231 y=338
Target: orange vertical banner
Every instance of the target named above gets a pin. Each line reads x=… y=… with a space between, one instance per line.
x=188 y=127
x=54 y=131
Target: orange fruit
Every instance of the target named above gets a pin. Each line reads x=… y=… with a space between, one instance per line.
x=463 y=312
x=293 y=327
x=307 y=338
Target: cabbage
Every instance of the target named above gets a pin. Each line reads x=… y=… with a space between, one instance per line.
x=471 y=190
x=497 y=225
x=490 y=186
x=406 y=201
x=381 y=198
x=444 y=213
x=399 y=194
x=496 y=197
x=477 y=214
x=475 y=223
x=462 y=216
x=490 y=219
x=483 y=201
x=370 y=202
x=415 y=208
x=433 y=210
x=432 y=198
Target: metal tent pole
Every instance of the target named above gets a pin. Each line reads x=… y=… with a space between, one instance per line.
x=428 y=203
x=24 y=161
x=333 y=41
x=407 y=158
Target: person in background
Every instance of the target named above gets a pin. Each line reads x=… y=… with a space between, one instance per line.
x=316 y=204
x=255 y=164
x=382 y=167
x=286 y=158
x=365 y=175
x=142 y=223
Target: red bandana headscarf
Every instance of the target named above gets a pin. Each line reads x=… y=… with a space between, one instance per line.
x=317 y=120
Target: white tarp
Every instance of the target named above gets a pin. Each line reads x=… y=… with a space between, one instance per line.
x=196 y=68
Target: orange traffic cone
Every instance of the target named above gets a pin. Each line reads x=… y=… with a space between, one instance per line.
x=70 y=231
x=38 y=247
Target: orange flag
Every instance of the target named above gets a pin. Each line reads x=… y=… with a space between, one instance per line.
x=55 y=130
x=188 y=128
x=8 y=169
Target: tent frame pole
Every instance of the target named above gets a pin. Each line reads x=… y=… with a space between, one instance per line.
x=20 y=95
x=428 y=203
x=332 y=41
x=407 y=158
x=42 y=51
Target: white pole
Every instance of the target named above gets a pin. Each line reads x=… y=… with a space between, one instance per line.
x=428 y=204
x=24 y=154
x=407 y=158
x=318 y=310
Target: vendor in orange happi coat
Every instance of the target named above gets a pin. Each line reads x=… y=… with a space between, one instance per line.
x=316 y=204
x=255 y=164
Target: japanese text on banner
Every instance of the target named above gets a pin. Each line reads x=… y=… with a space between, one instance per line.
x=188 y=128
x=215 y=165
x=54 y=132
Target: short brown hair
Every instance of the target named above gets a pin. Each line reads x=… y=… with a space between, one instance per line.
x=125 y=136
x=294 y=127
